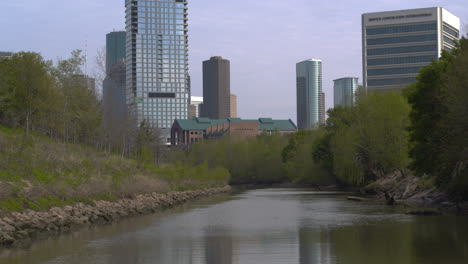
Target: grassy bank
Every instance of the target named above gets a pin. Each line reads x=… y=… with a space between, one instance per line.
x=37 y=173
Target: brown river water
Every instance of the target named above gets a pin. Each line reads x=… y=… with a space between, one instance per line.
x=264 y=226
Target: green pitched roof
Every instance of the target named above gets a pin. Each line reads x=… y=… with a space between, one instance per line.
x=202 y=123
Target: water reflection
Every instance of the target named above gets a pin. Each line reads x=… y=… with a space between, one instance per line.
x=262 y=227
x=218 y=247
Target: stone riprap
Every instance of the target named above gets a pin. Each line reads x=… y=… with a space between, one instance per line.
x=20 y=226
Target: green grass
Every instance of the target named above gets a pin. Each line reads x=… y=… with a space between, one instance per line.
x=38 y=173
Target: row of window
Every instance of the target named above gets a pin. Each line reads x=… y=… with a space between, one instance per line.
x=451 y=32
x=448 y=49
x=449 y=41
x=163 y=31
x=161 y=26
x=162 y=67
x=143 y=9
x=401 y=60
x=393 y=71
x=392 y=81
x=150 y=83
x=403 y=39
x=401 y=29
x=148 y=38
x=153 y=3
x=402 y=50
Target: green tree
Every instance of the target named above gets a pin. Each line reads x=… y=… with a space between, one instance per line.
x=367 y=141
x=439 y=120
x=26 y=91
x=425 y=97
x=82 y=112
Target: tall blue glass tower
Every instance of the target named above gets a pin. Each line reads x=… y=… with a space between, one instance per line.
x=158 y=83
x=310 y=104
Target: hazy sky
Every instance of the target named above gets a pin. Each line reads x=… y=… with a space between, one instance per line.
x=262 y=39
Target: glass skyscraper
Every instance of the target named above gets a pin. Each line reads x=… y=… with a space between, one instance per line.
x=310 y=104
x=115 y=48
x=396 y=44
x=158 y=83
x=345 y=91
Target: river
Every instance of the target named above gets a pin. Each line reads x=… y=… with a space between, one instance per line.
x=265 y=226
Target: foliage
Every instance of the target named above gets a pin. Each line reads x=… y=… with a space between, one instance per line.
x=254 y=160
x=303 y=159
x=37 y=172
x=25 y=91
x=367 y=141
x=439 y=121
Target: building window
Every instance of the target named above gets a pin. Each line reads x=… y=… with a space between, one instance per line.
x=392 y=81
x=404 y=39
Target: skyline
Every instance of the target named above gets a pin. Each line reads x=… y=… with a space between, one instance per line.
x=293 y=31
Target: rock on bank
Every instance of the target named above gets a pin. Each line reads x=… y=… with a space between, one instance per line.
x=17 y=227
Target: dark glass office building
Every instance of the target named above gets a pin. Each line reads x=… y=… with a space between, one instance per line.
x=396 y=44
x=115 y=48
x=157 y=61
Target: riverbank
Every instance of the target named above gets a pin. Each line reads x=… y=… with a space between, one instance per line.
x=21 y=226
x=403 y=188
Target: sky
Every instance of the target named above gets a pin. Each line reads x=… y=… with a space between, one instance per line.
x=263 y=39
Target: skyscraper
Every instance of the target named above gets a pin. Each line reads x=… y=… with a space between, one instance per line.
x=233 y=106
x=6 y=55
x=115 y=48
x=158 y=89
x=113 y=94
x=216 y=88
x=194 y=108
x=345 y=91
x=396 y=44
x=309 y=94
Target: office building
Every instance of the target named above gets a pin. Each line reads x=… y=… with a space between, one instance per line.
x=323 y=112
x=115 y=48
x=6 y=55
x=345 y=91
x=157 y=80
x=113 y=96
x=216 y=88
x=310 y=98
x=114 y=85
x=396 y=44
x=233 y=106
x=84 y=81
x=195 y=105
x=188 y=131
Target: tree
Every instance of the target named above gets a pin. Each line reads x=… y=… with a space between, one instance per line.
x=440 y=109
x=26 y=91
x=425 y=97
x=367 y=141
x=82 y=112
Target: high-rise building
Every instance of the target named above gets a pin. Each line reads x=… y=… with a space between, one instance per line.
x=114 y=85
x=345 y=91
x=323 y=112
x=194 y=108
x=115 y=48
x=216 y=88
x=233 y=106
x=158 y=83
x=310 y=99
x=6 y=55
x=396 y=44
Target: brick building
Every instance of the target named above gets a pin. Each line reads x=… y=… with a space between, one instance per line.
x=188 y=131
